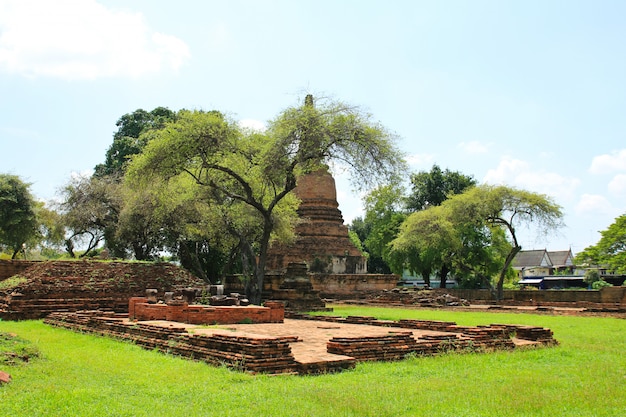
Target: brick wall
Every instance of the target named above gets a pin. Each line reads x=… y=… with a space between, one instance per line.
x=329 y=285
x=8 y=268
x=609 y=295
x=140 y=310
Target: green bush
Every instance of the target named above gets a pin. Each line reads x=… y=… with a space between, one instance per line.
x=600 y=284
x=591 y=276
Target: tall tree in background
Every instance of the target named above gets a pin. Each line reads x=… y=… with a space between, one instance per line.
x=610 y=251
x=434 y=187
x=90 y=209
x=475 y=232
x=128 y=139
x=505 y=208
x=387 y=208
x=427 y=241
x=383 y=216
x=253 y=174
x=18 y=219
x=52 y=231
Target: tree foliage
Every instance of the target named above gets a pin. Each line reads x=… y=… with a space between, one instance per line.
x=426 y=241
x=434 y=187
x=507 y=209
x=127 y=140
x=387 y=208
x=248 y=176
x=610 y=251
x=383 y=217
x=474 y=233
x=90 y=209
x=51 y=231
x=18 y=219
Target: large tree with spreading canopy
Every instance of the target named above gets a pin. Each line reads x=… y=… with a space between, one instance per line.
x=476 y=230
x=249 y=175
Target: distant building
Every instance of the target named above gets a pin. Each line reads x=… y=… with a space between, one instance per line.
x=548 y=269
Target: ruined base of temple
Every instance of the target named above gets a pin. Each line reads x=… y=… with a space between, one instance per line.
x=303 y=344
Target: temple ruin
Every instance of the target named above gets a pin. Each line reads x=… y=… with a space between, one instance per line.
x=323 y=241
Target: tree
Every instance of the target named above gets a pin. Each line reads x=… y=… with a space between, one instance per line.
x=474 y=233
x=18 y=219
x=383 y=217
x=610 y=251
x=252 y=174
x=90 y=209
x=434 y=187
x=51 y=231
x=422 y=251
x=169 y=216
x=427 y=240
x=359 y=230
x=128 y=140
x=505 y=208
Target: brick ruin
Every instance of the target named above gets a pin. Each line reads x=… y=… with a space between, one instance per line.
x=304 y=344
x=110 y=299
x=296 y=290
x=141 y=309
x=322 y=241
x=46 y=287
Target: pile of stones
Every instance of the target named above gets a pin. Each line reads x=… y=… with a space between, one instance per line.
x=422 y=297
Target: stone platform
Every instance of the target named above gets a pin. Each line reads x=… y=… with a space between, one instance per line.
x=306 y=344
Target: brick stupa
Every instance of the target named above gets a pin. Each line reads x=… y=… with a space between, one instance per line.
x=322 y=241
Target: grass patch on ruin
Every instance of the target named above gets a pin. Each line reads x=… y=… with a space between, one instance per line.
x=85 y=375
x=12 y=282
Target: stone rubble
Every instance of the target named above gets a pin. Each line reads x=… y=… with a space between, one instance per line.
x=415 y=296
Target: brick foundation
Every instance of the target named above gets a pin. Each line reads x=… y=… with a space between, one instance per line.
x=279 y=351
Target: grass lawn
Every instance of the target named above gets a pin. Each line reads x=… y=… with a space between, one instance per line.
x=84 y=375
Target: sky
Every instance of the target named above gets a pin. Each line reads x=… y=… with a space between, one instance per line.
x=530 y=94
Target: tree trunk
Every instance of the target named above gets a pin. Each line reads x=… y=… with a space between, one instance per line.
x=189 y=260
x=262 y=260
x=69 y=247
x=426 y=276
x=509 y=259
x=443 y=275
x=250 y=271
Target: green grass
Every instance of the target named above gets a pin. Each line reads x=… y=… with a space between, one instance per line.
x=12 y=282
x=84 y=375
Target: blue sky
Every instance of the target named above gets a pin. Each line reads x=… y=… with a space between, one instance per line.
x=525 y=93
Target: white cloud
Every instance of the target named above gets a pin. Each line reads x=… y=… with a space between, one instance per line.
x=617 y=185
x=506 y=171
x=474 y=147
x=520 y=174
x=82 y=39
x=420 y=159
x=253 y=124
x=615 y=161
x=593 y=204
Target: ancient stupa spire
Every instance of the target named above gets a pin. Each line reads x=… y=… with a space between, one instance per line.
x=323 y=241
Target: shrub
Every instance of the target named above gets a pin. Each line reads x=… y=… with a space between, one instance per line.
x=591 y=276
x=600 y=284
